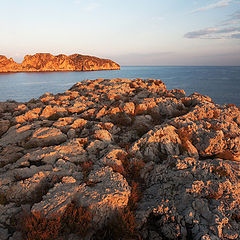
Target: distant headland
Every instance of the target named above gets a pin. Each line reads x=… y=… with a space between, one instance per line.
x=46 y=62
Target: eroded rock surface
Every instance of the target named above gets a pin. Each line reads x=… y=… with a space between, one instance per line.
x=81 y=146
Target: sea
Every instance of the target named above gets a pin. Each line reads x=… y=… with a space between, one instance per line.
x=222 y=84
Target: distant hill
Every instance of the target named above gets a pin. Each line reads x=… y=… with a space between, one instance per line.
x=46 y=62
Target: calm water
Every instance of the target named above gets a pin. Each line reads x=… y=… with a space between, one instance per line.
x=222 y=84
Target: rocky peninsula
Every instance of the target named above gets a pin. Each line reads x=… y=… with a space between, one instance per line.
x=46 y=62
x=119 y=159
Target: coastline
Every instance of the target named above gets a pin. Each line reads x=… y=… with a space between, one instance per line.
x=126 y=147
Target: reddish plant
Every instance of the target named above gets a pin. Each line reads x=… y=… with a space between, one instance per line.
x=76 y=220
x=86 y=168
x=231 y=105
x=121 y=225
x=135 y=196
x=37 y=227
x=216 y=114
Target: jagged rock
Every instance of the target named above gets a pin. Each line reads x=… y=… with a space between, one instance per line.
x=159 y=142
x=108 y=191
x=113 y=159
x=58 y=198
x=188 y=196
x=29 y=189
x=103 y=135
x=72 y=151
x=90 y=142
x=4 y=233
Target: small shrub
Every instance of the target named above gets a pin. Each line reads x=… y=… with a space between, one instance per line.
x=132 y=166
x=222 y=172
x=86 y=168
x=230 y=135
x=2 y=164
x=216 y=114
x=37 y=227
x=231 y=105
x=135 y=196
x=119 y=169
x=77 y=220
x=236 y=217
x=3 y=199
x=215 y=127
x=83 y=141
x=121 y=225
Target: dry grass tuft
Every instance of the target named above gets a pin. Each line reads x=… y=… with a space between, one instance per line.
x=37 y=227
x=121 y=225
x=77 y=220
x=86 y=169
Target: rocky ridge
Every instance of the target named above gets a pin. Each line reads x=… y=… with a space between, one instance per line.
x=46 y=62
x=93 y=143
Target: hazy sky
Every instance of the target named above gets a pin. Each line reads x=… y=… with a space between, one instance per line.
x=131 y=32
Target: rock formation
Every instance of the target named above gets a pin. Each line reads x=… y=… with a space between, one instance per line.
x=45 y=62
x=166 y=163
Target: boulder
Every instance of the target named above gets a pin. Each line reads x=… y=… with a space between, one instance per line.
x=4 y=126
x=46 y=137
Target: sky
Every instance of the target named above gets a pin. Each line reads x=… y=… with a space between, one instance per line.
x=130 y=32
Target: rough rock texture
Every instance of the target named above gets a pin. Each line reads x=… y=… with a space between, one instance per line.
x=45 y=62
x=79 y=146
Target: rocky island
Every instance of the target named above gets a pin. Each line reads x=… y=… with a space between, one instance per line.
x=119 y=159
x=46 y=62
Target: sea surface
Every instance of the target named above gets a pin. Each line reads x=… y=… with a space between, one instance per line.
x=222 y=84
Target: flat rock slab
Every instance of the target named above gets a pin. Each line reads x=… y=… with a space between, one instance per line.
x=16 y=135
x=107 y=191
x=70 y=151
x=43 y=137
x=58 y=198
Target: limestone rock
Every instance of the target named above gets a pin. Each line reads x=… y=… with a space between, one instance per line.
x=103 y=135
x=16 y=135
x=58 y=198
x=186 y=196
x=54 y=112
x=46 y=137
x=92 y=142
x=108 y=191
x=28 y=189
x=4 y=125
x=159 y=142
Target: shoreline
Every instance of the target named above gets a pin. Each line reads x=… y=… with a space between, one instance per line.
x=122 y=150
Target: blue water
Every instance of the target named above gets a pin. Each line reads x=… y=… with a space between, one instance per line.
x=222 y=84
